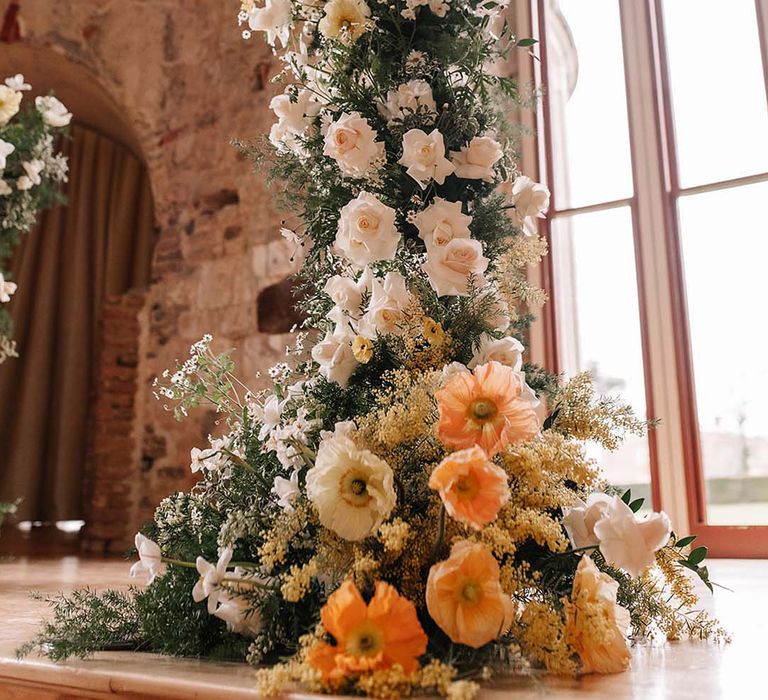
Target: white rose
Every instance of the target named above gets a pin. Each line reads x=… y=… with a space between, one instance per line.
x=531 y=200
x=441 y=222
x=334 y=354
x=387 y=306
x=352 y=489
x=295 y=117
x=508 y=351
x=9 y=104
x=449 y=268
x=351 y=142
x=366 y=231
x=348 y=294
x=629 y=542
x=7 y=289
x=54 y=113
x=5 y=150
x=424 y=157
x=411 y=98
x=580 y=519
x=346 y=20
x=274 y=19
x=476 y=160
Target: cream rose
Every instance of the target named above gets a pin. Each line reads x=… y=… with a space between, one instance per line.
x=352 y=489
x=450 y=267
x=345 y=20
x=366 y=231
x=386 y=308
x=351 y=142
x=441 y=222
x=274 y=19
x=53 y=112
x=596 y=626
x=531 y=200
x=424 y=157
x=508 y=351
x=476 y=160
x=630 y=542
x=579 y=520
x=411 y=98
x=9 y=104
x=347 y=293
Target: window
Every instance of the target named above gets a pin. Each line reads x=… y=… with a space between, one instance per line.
x=653 y=138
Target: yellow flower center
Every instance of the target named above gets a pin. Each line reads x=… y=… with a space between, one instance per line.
x=470 y=593
x=482 y=410
x=353 y=488
x=425 y=150
x=467 y=487
x=365 y=640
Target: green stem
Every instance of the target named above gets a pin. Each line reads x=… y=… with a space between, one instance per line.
x=178 y=562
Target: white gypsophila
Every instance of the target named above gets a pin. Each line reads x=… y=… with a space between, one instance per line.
x=345 y=20
x=7 y=289
x=274 y=19
x=450 y=267
x=150 y=558
x=476 y=160
x=211 y=575
x=9 y=104
x=531 y=201
x=424 y=157
x=286 y=490
x=441 y=222
x=347 y=293
x=53 y=111
x=438 y=7
x=351 y=488
x=508 y=351
x=6 y=149
x=413 y=98
x=386 y=308
x=351 y=142
x=366 y=231
x=628 y=541
x=237 y=613
x=579 y=520
x=32 y=178
x=17 y=83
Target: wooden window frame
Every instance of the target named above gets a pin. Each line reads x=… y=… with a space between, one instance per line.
x=677 y=478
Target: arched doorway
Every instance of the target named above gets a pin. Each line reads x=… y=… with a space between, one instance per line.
x=80 y=275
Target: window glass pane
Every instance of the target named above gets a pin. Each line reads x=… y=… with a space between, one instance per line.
x=725 y=247
x=718 y=89
x=590 y=136
x=599 y=324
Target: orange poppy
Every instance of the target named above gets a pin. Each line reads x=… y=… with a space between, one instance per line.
x=472 y=487
x=384 y=633
x=491 y=407
x=464 y=596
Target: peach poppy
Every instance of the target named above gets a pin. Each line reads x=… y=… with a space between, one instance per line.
x=472 y=487
x=490 y=407
x=464 y=596
x=381 y=634
x=596 y=626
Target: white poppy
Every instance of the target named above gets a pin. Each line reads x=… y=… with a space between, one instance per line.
x=345 y=20
x=352 y=489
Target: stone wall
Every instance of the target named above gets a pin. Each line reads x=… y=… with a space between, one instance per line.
x=186 y=83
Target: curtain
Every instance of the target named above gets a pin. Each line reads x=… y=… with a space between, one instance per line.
x=99 y=244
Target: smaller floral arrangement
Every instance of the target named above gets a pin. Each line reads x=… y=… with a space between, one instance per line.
x=31 y=174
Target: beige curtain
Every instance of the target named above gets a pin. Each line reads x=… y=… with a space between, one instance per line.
x=101 y=243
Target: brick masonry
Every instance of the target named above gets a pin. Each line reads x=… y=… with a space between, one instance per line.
x=185 y=80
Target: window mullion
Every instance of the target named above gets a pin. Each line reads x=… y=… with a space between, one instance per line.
x=655 y=268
